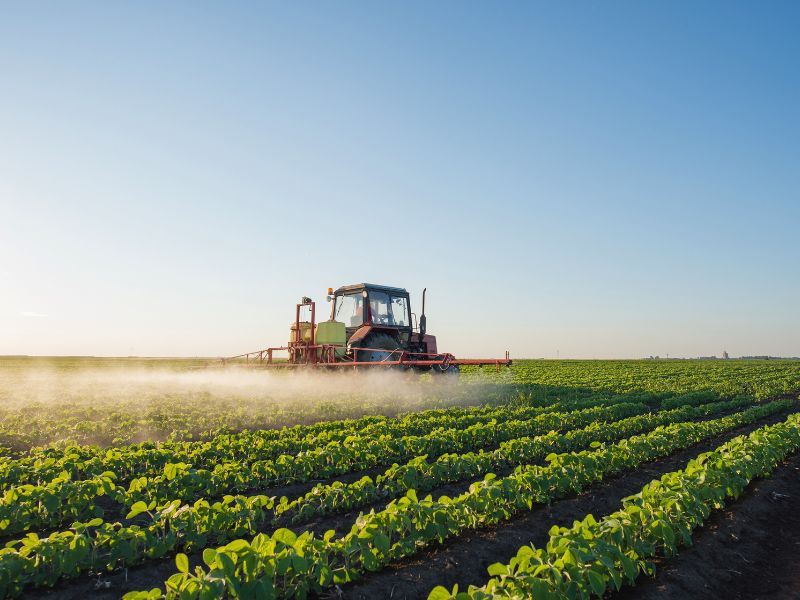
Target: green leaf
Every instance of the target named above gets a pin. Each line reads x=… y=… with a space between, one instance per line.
x=285 y=536
x=540 y=589
x=299 y=564
x=440 y=593
x=381 y=542
x=629 y=567
x=371 y=562
x=136 y=509
x=597 y=582
x=209 y=556
x=237 y=545
x=170 y=471
x=228 y=566
x=182 y=562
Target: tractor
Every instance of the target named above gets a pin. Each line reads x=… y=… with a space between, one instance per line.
x=369 y=326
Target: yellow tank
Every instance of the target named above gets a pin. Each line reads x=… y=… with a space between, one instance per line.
x=331 y=333
x=305 y=332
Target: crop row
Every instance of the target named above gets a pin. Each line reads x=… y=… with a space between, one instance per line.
x=593 y=556
x=759 y=378
x=423 y=475
x=29 y=507
x=286 y=565
x=357 y=453
x=103 y=546
x=249 y=446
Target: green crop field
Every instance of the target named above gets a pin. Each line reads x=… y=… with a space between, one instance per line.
x=154 y=478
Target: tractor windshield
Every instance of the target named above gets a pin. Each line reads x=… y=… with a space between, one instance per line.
x=388 y=310
x=349 y=310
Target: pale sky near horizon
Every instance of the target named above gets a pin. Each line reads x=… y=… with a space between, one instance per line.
x=582 y=180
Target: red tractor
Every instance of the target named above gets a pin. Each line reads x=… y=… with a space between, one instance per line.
x=369 y=326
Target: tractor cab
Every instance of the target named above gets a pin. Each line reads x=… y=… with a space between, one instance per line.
x=365 y=308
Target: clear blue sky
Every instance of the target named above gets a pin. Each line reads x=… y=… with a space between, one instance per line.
x=589 y=179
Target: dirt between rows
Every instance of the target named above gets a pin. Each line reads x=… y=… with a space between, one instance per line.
x=462 y=560
x=750 y=549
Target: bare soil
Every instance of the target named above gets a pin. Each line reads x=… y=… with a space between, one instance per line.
x=749 y=550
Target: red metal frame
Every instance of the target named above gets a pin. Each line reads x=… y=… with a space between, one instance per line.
x=302 y=354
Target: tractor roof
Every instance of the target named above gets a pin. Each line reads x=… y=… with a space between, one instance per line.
x=370 y=286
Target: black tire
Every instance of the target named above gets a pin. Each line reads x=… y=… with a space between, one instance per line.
x=378 y=341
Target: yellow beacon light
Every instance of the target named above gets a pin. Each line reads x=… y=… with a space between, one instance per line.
x=330 y=291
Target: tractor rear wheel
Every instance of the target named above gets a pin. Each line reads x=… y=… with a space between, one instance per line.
x=382 y=346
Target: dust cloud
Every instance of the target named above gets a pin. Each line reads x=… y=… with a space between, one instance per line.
x=111 y=402
x=114 y=384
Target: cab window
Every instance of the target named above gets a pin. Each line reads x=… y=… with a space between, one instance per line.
x=388 y=310
x=400 y=311
x=349 y=310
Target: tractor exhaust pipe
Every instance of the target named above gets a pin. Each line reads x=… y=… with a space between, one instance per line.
x=422 y=316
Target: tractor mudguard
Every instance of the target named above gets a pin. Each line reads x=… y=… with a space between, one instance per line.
x=359 y=336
